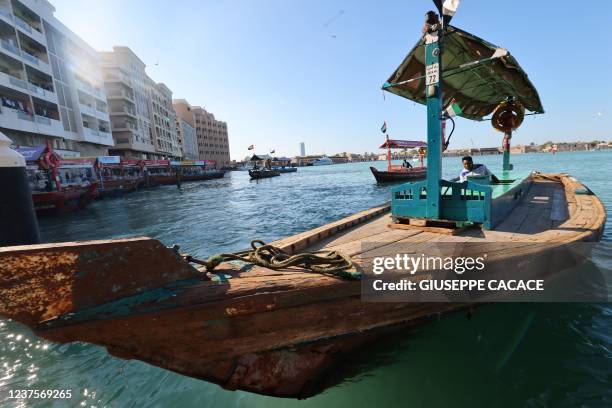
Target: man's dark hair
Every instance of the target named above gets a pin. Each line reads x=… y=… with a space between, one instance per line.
x=468 y=158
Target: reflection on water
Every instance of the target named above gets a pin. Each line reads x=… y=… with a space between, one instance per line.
x=505 y=355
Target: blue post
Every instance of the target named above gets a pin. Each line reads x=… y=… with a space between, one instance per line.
x=433 y=92
x=506 y=145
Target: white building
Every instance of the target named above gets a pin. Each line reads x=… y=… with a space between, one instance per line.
x=51 y=85
x=142 y=116
x=187 y=138
x=302 y=149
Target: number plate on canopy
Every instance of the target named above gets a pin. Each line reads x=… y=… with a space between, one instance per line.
x=432 y=74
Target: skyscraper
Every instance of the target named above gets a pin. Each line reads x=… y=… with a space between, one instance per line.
x=302 y=149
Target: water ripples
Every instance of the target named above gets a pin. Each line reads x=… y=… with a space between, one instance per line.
x=506 y=355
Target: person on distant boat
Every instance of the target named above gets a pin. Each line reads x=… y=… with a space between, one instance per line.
x=471 y=169
x=406 y=164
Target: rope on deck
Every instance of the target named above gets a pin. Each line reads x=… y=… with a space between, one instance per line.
x=268 y=256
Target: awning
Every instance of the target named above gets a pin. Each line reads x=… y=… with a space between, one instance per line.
x=31 y=154
x=261 y=157
x=478 y=74
x=402 y=144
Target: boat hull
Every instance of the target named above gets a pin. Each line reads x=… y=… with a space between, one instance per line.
x=261 y=174
x=281 y=332
x=117 y=187
x=57 y=202
x=382 y=176
x=286 y=169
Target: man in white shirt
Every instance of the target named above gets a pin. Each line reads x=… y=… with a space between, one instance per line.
x=471 y=169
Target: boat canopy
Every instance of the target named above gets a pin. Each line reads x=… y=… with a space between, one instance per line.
x=261 y=157
x=477 y=74
x=402 y=144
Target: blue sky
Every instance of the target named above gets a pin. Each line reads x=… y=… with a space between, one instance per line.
x=282 y=72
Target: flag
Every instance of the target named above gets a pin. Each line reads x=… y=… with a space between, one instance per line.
x=447 y=9
x=272 y=151
x=251 y=147
x=384 y=127
x=453 y=109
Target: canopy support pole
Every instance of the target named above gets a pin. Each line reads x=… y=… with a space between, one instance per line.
x=506 y=145
x=388 y=154
x=433 y=92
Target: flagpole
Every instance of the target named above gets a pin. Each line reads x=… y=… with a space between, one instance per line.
x=388 y=154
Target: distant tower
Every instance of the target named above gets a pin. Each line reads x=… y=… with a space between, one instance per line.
x=302 y=149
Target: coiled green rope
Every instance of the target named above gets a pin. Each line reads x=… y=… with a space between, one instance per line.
x=268 y=256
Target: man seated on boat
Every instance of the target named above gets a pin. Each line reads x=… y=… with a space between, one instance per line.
x=471 y=169
x=406 y=164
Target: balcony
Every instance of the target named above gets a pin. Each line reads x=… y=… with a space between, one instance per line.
x=123 y=111
x=10 y=47
x=5 y=13
x=49 y=126
x=43 y=93
x=120 y=95
x=90 y=89
x=95 y=136
x=124 y=127
x=28 y=22
x=87 y=109
x=17 y=120
x=32 y=59
x=131 y=143
x=13 y=82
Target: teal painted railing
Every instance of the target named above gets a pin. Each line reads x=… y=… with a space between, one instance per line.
x=466 y=201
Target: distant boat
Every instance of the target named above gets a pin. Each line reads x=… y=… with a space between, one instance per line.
x=263 y=173
x=323 y=161
x=404 y=172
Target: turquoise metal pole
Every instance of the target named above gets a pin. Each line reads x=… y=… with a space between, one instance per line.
x=433 y=92
x=507 y=138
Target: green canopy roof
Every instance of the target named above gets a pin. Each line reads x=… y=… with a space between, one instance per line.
x=479 y=75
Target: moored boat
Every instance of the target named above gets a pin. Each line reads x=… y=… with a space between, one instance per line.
x=118 y=176
x=282 y=165
x=59 y=185
x=405 y=171
x=196 y=170
x=322 y=161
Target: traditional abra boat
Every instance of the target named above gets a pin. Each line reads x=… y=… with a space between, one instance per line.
x=284 y=330
x=196 y=170
x=118 y=176
x=165 y=172
x=158 y=172
x=396 y=173
x=263 y=173
x=59 y=185
x=282 y=165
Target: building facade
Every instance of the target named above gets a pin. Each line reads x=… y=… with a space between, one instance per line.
x=51 y=85
x=211 y=134
x=163 y=121
x=187 y=139
x=142 y=117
